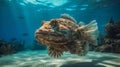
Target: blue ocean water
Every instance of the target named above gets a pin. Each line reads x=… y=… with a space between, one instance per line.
x=25 y=16
x=19 y=20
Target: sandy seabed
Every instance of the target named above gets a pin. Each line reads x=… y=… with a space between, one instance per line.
x=41 y=59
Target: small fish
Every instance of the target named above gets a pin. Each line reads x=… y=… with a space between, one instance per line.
x=25 y=34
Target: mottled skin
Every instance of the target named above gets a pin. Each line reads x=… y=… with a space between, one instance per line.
x=61 y=35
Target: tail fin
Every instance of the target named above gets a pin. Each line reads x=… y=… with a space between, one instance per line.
x=89 y=32
x=93 y=31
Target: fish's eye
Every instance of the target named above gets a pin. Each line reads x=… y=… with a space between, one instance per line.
x=46 y=28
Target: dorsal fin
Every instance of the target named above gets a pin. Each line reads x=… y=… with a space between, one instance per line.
x=67 y=16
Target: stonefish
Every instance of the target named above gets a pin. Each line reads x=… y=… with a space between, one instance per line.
x=64 y=34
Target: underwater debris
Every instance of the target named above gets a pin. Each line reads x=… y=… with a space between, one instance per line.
x=64 y=34
x=111 y=39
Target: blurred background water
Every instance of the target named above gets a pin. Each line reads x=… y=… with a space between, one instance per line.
x=20 y=18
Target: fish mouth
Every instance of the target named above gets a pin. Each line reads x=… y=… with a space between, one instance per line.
x=41 y=33
x=46 y=33
x=53 y=37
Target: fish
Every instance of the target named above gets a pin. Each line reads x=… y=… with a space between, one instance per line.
x=65 y=35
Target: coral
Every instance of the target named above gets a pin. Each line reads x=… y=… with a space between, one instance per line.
x=64 y=34
x=111 y=41
x=110 y=45
x=6 y=48
x=11 y=47
x=19 y=45
x=101 y=39
x=118 y=23
x=112 y=29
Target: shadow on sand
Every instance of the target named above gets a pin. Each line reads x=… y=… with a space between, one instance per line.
x=94 y=63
